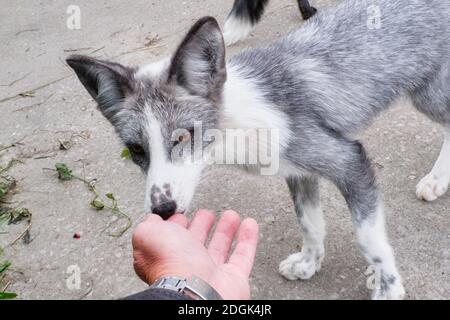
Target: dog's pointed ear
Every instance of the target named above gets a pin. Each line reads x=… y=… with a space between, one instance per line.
x=199 y=62
x=107 y=82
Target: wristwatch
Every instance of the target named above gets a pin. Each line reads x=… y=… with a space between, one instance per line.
x=193 y=287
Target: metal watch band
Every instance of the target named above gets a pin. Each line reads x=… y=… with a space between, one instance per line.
x=194 y=287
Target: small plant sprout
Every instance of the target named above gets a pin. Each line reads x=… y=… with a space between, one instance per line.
x=4 y=295
x=97 y=203
x=64 y=173
x=125 y=154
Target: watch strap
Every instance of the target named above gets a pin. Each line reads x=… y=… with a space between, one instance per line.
x=193 y=287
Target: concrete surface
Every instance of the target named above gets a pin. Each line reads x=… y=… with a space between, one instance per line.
x=35 y=41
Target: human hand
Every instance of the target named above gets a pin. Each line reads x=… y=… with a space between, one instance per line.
x=177 y=248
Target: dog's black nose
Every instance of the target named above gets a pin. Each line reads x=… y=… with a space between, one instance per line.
x=165 y=210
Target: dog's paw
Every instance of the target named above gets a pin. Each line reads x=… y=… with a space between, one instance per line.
x=300 y=266
x=431 y=187
x=309 y=14
x=392 y=292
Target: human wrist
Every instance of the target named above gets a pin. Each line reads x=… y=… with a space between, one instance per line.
x=186 y=270
x=192 y=287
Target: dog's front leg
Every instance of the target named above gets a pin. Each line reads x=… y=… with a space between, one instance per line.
x=356 y=179
x=345 y=163
x=303 y=265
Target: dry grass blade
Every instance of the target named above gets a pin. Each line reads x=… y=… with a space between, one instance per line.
x=15 y=81
x=32 y=91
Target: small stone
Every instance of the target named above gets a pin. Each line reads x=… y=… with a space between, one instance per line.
x=269 y=218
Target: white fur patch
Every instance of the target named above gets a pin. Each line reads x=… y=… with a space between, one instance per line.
x=182 y=176
x=299 y=265
x=312 y=221
x=435 y=184
x=372 y=238
x=236 y=29
x=245 y=108
x=154 y=70
x=303 y=265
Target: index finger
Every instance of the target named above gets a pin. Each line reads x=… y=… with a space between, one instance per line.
x=201 y=224
x=243 y=255
x=179 y=219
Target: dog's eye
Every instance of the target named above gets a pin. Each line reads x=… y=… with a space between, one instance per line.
x=137 y=149
x=182 y=138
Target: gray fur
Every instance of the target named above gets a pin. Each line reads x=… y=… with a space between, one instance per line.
x=179 y=98
x=199 y=62
x=304 y=191
x=334 y=75
x=305 y=194
x=337 y=73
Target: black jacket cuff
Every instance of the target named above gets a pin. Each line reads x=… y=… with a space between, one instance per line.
x=157 y=294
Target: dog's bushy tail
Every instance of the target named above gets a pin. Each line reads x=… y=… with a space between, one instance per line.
x=247 y=13
x=250 y=10
x=242 y=18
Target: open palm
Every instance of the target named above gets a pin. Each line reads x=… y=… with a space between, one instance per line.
x=177 y=248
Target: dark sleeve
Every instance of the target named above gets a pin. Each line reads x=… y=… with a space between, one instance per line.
x=157 y=294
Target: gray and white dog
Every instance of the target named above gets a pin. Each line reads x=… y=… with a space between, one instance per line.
x=318 y=86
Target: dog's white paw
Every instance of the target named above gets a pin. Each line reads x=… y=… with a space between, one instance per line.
x=300 y=266
x=431 y=187
x=392 y=292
